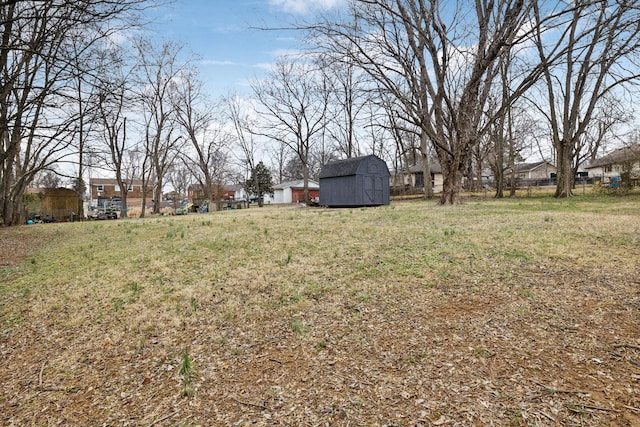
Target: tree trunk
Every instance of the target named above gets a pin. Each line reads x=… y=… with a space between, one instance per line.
x=426 y=166
x=157 y=197
x=451 y=185
x=306 y=184
x=499 y=165
x=478 y=181
x=256 y=183
x=564 y=184
x=124 y=208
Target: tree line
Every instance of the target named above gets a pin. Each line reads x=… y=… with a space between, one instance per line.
x=469 y=85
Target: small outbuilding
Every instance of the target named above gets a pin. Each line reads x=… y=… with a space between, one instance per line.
x=359 y=181
x=55 y=204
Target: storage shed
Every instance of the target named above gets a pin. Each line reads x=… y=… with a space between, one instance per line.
x=359 y=181
x=61 y=204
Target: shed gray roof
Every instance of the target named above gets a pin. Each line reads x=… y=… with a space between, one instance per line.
x=346 y=167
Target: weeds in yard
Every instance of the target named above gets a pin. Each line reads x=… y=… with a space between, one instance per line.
x=411 y=285
x=133 y=286
x=187 y=372
x=118 y=304
x=527 y=293
x=298 y=326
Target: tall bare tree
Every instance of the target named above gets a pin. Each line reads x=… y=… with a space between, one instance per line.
x=208 y=140
x=113 y=98
x=37 y=65
x=294 y=102
x=439 y=60
x=599 y=46
x=159 y=68
x=244 y=126
x=350 y=93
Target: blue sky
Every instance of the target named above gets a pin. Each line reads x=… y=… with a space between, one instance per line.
x=225 y=35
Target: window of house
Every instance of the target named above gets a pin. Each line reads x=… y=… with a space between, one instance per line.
x=100 y=187
x=117 y=189
x=607 y=168
x=419 y=180
x=130 y=188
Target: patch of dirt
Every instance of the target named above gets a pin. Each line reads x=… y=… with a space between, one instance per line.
x=18 y=243
x=564 y=350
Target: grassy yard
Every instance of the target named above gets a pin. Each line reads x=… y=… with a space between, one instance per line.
x=498 y=312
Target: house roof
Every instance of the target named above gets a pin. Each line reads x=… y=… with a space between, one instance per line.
x=434 y=166
x=526 y=167
x=59 y=190
x=234 y=187
x=621 y=155
x=296 y=185
x=346 y=167
x=113 y=181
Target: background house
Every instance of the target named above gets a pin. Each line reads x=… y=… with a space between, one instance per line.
x=621 y=164
x=537 y=170
x=359 y=181
x=532 y=174
x=103 y=191
x=292 y=192
x=404 y=180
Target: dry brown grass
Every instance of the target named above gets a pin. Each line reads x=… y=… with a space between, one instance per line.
x=513 y=312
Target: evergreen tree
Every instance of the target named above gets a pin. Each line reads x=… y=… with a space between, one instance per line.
x=260 y=183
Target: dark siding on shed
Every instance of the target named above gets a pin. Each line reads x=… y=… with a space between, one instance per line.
x=361 y=181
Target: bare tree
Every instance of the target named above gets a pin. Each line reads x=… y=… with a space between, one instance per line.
x=279 y=157
x=37 y=65
x=180 y=178
x=113 y=98
x=207 y=138
x=294 y=103
x=599 y=48
x=349 y=96
x=244 y=126
x=438 y=60
x=159 y=67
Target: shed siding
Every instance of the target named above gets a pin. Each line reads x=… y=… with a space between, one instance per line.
x=361 y=181
x=338 y=191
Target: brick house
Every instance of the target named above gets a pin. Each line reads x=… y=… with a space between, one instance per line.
x=105 y=190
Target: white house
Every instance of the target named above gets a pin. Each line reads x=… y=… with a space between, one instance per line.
x=615 y=164
x=292 y=192
x=538 y=170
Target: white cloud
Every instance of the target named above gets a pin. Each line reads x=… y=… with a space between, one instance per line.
x=214 y=62
x=303 y=7
x=267 y=66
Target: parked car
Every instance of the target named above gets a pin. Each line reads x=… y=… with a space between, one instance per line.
x=108 y=213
